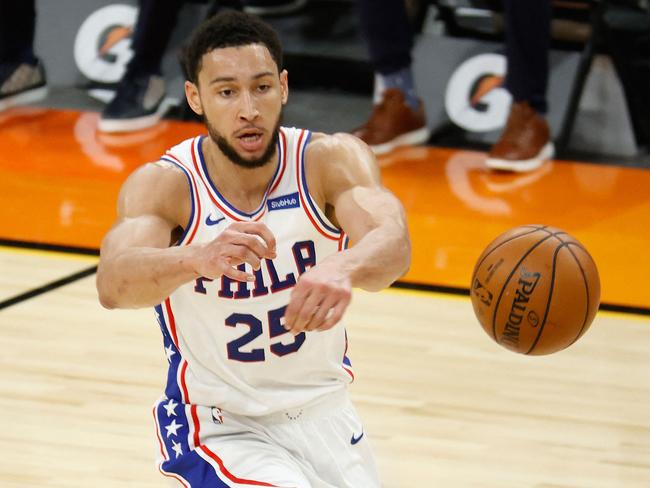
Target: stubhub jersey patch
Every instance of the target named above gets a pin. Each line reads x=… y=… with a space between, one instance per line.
x=283 y=202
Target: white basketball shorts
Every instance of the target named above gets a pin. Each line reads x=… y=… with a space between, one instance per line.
x=321 y=445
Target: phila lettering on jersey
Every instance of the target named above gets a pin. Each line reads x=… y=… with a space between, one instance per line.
x=224 y=339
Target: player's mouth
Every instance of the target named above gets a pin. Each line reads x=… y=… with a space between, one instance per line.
x=251 y=140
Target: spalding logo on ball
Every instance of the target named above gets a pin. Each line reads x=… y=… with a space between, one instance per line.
x=535 y=289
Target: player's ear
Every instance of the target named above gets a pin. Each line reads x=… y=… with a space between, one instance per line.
x=193 y=98
x=284 y=86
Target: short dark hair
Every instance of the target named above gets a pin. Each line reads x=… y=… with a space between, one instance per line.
x=229 y=29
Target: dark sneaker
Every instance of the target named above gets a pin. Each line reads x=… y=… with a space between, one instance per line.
x=525 y=143
x=21 y=83
x=139 y=103
x=273 y=7
x=393 y=123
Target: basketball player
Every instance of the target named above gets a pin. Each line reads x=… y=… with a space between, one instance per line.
x=238 y=239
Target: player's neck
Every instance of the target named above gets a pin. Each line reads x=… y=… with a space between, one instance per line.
x=242 y=187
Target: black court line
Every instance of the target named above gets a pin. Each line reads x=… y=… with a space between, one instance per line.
x=453 y=290
x=47 y=287
x=87 y=251
x=450 y=290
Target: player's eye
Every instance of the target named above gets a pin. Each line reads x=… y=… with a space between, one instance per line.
x=263 y=88
x=226 y=93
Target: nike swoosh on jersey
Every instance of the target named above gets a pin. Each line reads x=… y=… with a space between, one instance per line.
x=209 y=221
x=354 y=440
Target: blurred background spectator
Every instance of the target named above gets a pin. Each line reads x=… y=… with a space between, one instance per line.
x=140 y=100
x=22 y=77
x=398 y=116
x=323 y=52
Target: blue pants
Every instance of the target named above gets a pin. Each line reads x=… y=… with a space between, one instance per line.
x=153 y=29
x=17 y=22
x=389 y=36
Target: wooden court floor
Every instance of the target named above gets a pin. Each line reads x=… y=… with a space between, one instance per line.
x=443 y=405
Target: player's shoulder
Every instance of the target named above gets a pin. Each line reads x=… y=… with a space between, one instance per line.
x=164 y=171
x=336 y=162
x=328 y=144
x=157 y=175
x=156 y=188
x=332 y=150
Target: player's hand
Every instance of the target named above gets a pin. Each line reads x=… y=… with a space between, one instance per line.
x=241 y=242
x=319 y=299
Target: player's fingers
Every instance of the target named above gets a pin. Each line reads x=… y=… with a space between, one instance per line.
x=254 y=244
x=328 y=308
x=237 y=254
x=261 y=230
x=238 y=275
x=334 y=315
x=234 y=236
x=298 y=296
x=305 y=312
x=319 y=315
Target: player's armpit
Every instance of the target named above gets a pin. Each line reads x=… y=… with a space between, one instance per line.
x=374 y=219
x=352 y=187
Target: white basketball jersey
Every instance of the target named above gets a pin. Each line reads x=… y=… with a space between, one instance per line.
x=224 y=339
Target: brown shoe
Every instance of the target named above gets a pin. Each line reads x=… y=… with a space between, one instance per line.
x=393 y=123
x=524 y=144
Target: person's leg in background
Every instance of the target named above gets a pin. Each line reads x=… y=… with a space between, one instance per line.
x=140 y=97
x=525 y=142
x=398 y=116
x=627 y=29
x=22 y=77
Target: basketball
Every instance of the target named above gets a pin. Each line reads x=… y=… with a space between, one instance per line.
x=535 y=289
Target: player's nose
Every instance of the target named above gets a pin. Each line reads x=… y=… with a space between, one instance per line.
x=248 y=109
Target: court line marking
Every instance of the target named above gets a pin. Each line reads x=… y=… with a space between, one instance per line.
x=399 y=286
x=55 y=248
x=53 y=285
x=456 y=293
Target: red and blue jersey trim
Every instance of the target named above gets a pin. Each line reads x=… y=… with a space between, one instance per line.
x=282 y=156
x=346 y=363
x=219 y=200
x=314 y=214
x=195 y=216
x=344 y=241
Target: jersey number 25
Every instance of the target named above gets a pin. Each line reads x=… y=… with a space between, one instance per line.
x=256 y=329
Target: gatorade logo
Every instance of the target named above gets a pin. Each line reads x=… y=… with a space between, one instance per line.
x=475 y=98
x=102 y=47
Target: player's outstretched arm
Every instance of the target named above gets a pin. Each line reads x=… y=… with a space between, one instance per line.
x=370 y=215
x=344 y=178
x=140 y=267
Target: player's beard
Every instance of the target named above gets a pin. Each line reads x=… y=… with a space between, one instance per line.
x=231 y=153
